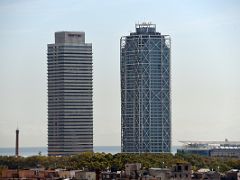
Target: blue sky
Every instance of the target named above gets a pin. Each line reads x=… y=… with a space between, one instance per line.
x=205 y=63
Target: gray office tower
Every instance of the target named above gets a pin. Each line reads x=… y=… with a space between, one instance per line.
x=70 y=105
x=145 y=91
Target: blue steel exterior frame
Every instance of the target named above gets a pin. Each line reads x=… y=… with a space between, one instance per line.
x=145 y=91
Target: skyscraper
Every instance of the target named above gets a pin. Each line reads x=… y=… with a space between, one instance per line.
x=70 y=105
x=145 y=91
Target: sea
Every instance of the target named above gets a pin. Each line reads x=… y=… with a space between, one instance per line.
x=33 y=151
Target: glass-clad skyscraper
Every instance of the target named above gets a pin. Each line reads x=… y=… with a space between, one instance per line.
x=145 y=91
x=70 y=105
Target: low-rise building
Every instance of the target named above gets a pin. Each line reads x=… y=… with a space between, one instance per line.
x=133 y=170
x=223 y=149
x=110 y=175
x=231 y=175
x=64 y=174
x=85 y=175
x=211 y=175
x=29 y=174
x=160 y=173
x=9 y=173
x=205 y=174
x=181 y=171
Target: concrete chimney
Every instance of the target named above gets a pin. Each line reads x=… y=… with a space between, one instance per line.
x=17 y=143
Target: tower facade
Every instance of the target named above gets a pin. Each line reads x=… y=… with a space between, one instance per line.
x=145 y=91
x=70 y=105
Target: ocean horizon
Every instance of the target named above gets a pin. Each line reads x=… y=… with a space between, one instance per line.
x=33 y=151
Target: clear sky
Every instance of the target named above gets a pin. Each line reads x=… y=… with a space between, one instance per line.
x=205 y=63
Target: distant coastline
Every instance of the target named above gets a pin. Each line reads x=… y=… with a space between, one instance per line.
x=31 y=151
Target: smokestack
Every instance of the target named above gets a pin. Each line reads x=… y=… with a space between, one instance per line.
x=17 y=143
